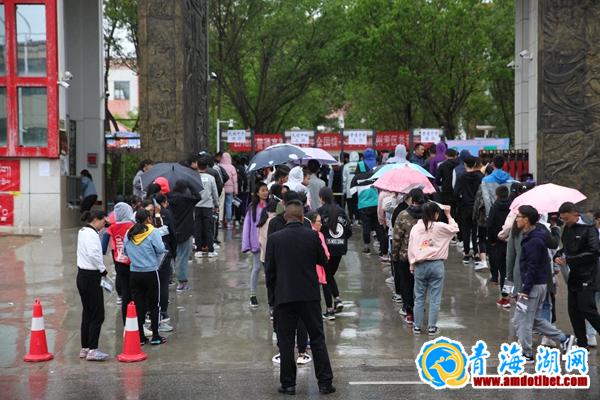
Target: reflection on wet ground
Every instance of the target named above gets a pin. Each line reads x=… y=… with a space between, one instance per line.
x=220 y=347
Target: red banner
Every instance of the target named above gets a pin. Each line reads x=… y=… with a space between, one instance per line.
x=329 y=141
x=10 y=175
x=263 y=140
x=7 y=209
x=390 y=139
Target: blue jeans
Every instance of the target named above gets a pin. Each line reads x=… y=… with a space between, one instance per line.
x=181 y=261
x=228 y=206
x=256 y=267
x=429 y=278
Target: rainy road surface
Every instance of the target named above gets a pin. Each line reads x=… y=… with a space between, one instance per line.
x=221 y=349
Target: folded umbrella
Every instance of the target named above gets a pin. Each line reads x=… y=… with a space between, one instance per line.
x=389 y=167
x=314 y=153
x=402 y=180
x=547 y=198
x=172 y=172
x=276 y=155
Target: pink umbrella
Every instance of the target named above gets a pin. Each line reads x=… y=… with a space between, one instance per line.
x=314 y=153
x=547 y=198
x=402 y=180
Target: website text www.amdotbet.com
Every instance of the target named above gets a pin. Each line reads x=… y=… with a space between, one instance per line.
x=531 y=381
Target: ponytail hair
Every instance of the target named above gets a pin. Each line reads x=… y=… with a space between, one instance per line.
x=141 y=216
x=431 y=211
x=333 y=212
x=264 y=216
x=91 y=215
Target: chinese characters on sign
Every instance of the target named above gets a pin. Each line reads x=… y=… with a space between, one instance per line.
x=10 y=176
x=236 y=136
x=7 y=207
x=430 y=135
x=300 y=137
x=358 y=137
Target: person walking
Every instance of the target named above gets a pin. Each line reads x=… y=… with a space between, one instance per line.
x=534 y=265
x=427 y=249
x=347 y=176
x=580 y=252
x=404 y=280
x=315 y=184
x=337 y=229
x=89 y=195
x=291 y=257
x=182 y=201
x=465 y=191
x=250 y=236
x=138 y=188
x=90 y=270
x=204 y=212
x=497 y=247
x=117 y=232
x=230 y=188
x=145 y=249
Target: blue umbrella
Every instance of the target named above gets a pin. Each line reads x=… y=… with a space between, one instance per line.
x=388 y=167
x=276 y=155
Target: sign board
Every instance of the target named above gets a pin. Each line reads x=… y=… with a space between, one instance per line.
x=475 y=145
x=300 y=137
x=358 y=137
x=10 y=175
x=92 y=160
x=429 y=135
x=7 y=209
x=390 y=139
x=262 y=141
x=236 y=136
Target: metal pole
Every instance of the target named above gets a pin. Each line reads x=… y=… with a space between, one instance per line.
x=218 y=135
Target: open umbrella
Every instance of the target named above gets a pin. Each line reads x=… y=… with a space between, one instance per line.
x=389 y=167
x=275 y=155
x=402 y=180
x=314 y=153
x=172 y=172
x=547 y=198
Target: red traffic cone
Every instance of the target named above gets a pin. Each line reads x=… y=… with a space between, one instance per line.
x=132 y=349
x=38 y=348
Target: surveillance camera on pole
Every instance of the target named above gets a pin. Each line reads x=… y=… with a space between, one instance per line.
x=512 y=65
x=526 y=55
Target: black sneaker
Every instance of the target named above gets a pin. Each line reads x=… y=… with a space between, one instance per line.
x=158 y=340
x=329 y=316
x=565 y=345
x=416 y=330
x=528 y=358
x=327 y=389
x=338 y=306
x=477 y=259
x=466 y=260
x=433 y=330
x=253 y=302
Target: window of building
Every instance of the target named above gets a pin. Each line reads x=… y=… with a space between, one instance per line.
x=121 y=90
x=28 y=79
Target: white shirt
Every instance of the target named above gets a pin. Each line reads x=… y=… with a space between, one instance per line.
x=89 y=250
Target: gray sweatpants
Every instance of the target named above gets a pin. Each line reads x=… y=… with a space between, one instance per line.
x=526 y=322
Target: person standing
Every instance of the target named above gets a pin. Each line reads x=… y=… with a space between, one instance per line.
x=580 y=252
x=291 y=257
x=89 y=195
x=145 y=249
x=465 y=191
x=182 y=200
x=241 y=164
x=404 y=280
x=427 y=249
x=315 y=184
x=251 y=237
x=90 y=270
x=204 y=212
x=497 y=247
x=439 y=158
x=138 y=188
x=230 y=188
x=347 y=177
x=534 y=265
x=337 y=229
x=418 y=157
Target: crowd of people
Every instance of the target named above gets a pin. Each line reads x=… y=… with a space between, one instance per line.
x=295 y=225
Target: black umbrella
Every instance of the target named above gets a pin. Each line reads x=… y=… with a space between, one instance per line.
x=172 y=172
x=275 y=155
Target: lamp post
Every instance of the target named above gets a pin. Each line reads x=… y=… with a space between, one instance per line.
x=230 y=123
x=341 y=123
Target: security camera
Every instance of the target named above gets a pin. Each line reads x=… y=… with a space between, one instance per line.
x=67 y=76
x=231 y=123
x=213 y=76
x=64 y=84
x=525 y=54
x=512 y=65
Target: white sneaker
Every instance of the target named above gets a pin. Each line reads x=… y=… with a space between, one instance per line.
x=200 y=254
x=147 y=332
x=119 y=300
x=481 y=265
x=546 y=341
x=276 y=358
x=592 y=342
x=83 y=352
x=390 y=280
x=212 y=254
x=96 y=355
x=274 y=337
x=216 y=246
x=164 y=327
x=303 y=359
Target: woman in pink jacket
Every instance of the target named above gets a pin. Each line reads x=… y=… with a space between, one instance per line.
x=427 y=249
x=230 y=188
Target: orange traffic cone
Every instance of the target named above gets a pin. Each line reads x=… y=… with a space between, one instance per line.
x=132 y=349
x=38 y=348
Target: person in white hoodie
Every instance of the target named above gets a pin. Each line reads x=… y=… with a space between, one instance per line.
x=399 y=155
x=347 y=175
x=296 y=179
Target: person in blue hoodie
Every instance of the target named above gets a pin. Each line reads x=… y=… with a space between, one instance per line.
x=370 y=158
x=534 y=264
x=145 y=248
x=498 y=176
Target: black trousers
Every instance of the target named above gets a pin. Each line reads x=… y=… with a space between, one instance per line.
x=482 y=239
x=368 y=216
x=352 y=203
x=287 y=317
x=468 y=229
x=164 y=276
x=582 y=307
x=92 y=300
x=145 y=290
x=204 y=225
x=123 y=281
x=404 y=283
x=497 y=256
x=331 y=289
x=87 y=203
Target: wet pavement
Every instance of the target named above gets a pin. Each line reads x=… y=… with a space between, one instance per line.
x=221 y=349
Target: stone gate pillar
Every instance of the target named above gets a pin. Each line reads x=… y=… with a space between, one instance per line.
x=173 y=78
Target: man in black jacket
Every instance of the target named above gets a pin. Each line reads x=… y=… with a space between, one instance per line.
x=465 y=190
x=496 y=247
x=580 y=251
x=291 y=257
x=444 y=177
